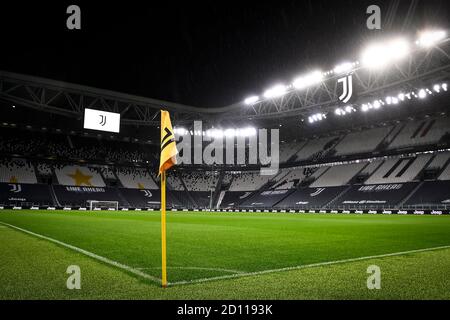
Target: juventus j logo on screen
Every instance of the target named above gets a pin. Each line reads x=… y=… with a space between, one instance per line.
x=347 y=88
x=102 y=120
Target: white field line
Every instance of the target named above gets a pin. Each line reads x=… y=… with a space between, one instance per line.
x=320 y=264
x=233 y=276
x=89 y=254
x=197 y=268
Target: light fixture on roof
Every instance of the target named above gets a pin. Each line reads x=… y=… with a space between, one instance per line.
x=251 y=100
x=422 y=94
x=343 y=67
x=381 y=54
x=276 y=91
x=430 y=38
x=308 y=80
x=317 y=117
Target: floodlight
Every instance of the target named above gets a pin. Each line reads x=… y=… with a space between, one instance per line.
x=276 y=91
x=422 y=94
x=401 y=96
x=348 y=109
x=376 y=104
x=338 y=112
x=429 y=38
x=308 y=80
x=365 y=108
x=379 y=55
x=343 y=67
x=251 y=100
x=389 y=100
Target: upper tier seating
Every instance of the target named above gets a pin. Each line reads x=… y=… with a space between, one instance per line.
x=439 y=161
x=399 y=170
x=421 y=133
x=17 y=171
x=352 y=142
x=200 y=180
x=79 y=176
x=371 y=167
x=313 y=147
x=249 y=181
x=338 y=175
x=136 y=178
x=288 y=150
x=298 y=175
x=44 y=169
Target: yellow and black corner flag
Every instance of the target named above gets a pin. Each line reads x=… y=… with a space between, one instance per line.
x=167 y=160
x=168 y=144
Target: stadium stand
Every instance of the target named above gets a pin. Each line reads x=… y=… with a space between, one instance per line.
x=265 y=199
x=305 y=198
x=248 y=181
x=79 y=176
x=174 y=182
x=17 y=170
x=288 y=151
x=339 y=175
x=298 y=175
x=114 y=171
x=424 y=132
x=445 y=175
x=73 y=196
x=399 y=170
x=372 y=138
x=431 y=194
x=143 y=198
x=44 y=169
x=200 y=180
x=377 y=195
x=316 y=148
x=439 y=161
x=233 y=199
x=25 y=194
x=135 y=178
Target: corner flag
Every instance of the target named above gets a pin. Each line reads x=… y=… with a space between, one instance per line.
x=167 y=160
x=168 y=145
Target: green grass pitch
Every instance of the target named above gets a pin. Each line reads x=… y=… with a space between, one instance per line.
x=224 y=255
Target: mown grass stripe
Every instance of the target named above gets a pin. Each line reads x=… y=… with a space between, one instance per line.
x=88 y=253
x=313 y=265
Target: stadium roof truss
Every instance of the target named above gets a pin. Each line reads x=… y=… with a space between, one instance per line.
x=421 y=68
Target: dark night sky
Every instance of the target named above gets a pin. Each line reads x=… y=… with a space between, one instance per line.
x=206 y=54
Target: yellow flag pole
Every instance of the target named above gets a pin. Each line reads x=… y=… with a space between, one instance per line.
x=163 y=229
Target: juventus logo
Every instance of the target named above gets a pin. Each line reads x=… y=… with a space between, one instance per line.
x=16 y=188
x=347 y=86
x=102 y=120
x=147 y=193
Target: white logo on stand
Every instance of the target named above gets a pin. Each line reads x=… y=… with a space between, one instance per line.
x=16 y=188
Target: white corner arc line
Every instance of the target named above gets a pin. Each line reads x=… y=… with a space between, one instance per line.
x=198 y=268
x=89 y=254
x=320 y=264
